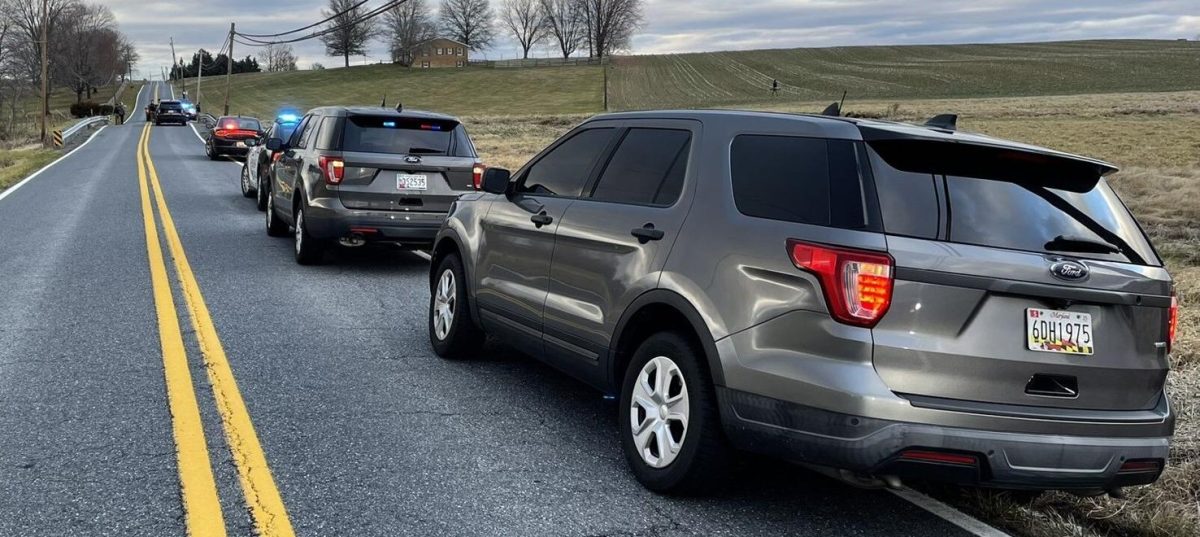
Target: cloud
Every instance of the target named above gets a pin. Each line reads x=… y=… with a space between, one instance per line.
x=704 y=25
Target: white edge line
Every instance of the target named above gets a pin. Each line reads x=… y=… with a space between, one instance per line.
x=14 y=188
x=967 y=522
x=136 y=100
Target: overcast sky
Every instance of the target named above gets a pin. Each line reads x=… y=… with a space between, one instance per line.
x=703 y=25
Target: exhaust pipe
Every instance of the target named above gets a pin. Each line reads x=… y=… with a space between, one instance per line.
x=862 y=481
x=352 y=241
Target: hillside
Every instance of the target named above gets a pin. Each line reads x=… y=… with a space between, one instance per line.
x=742 y=78
x=904 y=72
x=470 y=91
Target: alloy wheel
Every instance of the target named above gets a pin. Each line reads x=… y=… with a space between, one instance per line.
x=444 y=304
x=299 y=230
x=659 y=410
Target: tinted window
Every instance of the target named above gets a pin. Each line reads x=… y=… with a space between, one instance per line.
x=908 y=200
x=328 y=133
x=307 y=130
x=244 y=123
x=564 y=170
x=805 y=180
x=298 y=134
x=391 y=134
x=283 y=131
x=647 y=168
x=170 y=106
x=1009 y=215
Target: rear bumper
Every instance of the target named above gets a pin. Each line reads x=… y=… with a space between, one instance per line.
x=228 y=147
x=873 y=446
x=327 y=218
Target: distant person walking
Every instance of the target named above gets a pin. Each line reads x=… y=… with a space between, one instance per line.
x=120 y=111
x=774 y=87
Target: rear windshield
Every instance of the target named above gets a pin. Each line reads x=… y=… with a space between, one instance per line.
x=1072 y=212
x=284 y=131
x=405 y=136
x=243 y=123
x=170 y=106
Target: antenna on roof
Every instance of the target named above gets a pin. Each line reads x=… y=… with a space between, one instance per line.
x=834 y=109
x=842 y=104
x=383 y=103
x=399 y=107
x=943 y=121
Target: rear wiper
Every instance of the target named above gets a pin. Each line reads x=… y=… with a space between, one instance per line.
x=424 y=151
x=1065 y=243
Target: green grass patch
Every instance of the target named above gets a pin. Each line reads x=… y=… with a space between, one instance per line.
x=469 y=91
x=17 y=164
x=903 y=72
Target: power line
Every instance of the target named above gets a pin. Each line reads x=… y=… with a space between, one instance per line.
x=363 y=18
x=318 y=23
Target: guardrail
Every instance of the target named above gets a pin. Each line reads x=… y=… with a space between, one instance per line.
x=63 y=138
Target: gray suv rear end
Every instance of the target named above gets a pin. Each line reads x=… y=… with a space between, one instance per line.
x=359 y=175
x=879 y=300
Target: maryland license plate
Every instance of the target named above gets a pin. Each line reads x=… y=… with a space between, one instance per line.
x=406 y=181
x=1064 y=332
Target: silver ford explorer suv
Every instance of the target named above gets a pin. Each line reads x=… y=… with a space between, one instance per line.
x=879 y=301
x=359 y=175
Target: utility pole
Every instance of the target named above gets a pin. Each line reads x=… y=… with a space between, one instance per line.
x=45 y=66
x=199 y=77
x=229 y=67
x=174 y=60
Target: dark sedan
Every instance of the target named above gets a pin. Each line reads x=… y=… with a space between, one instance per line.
x=232 y=136
x=170 y=112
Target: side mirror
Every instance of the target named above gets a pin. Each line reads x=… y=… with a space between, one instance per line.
x=275 y=144
x=495 y=180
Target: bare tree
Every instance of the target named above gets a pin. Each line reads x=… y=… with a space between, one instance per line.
x=526 y=21
x=86 y=49
x=129 y=57
x=277 y=58
x=468 y=22
x=350 y=34
x=564 y=24
x=610 y=24
x=408 y=25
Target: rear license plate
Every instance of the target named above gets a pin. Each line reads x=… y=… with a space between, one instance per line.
x=241 y=144
x=1065 y=332
x=406 y=181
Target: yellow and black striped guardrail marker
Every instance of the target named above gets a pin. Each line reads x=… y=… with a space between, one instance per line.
x=58 y=139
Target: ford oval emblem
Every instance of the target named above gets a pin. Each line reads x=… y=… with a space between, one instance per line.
x=412 y=159
x=1071 y=271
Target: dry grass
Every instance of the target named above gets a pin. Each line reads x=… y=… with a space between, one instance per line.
x=16 y=164
x=1155 y=137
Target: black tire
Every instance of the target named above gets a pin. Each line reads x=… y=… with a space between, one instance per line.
x=245 y=181
x=275 y=226
x=309 y=250
x=261 y=193
x=704 y=456
x=211 y=152
x=463 y=338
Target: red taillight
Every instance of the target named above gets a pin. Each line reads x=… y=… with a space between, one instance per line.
x=939 y=457
x=332 y=168
x=857 y=284
x=1172 y=321
x=477 y=175
x=1140 y=465
x=219 y=133
x=230 y=125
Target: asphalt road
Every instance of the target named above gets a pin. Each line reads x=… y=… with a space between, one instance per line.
x=365 y=431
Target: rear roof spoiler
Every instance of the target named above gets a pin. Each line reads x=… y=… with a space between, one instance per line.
x=961 y=144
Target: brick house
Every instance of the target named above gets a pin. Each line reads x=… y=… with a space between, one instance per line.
x=440 y=52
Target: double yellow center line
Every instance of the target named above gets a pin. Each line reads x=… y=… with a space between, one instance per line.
x=201 y=503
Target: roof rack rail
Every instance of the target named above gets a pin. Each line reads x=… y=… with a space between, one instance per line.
x=943 y=121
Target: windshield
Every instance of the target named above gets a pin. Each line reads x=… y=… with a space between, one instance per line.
x=170 y=106
x=390 y=134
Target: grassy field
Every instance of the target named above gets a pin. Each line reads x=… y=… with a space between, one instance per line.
x=453 y=91
x=904 y=72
